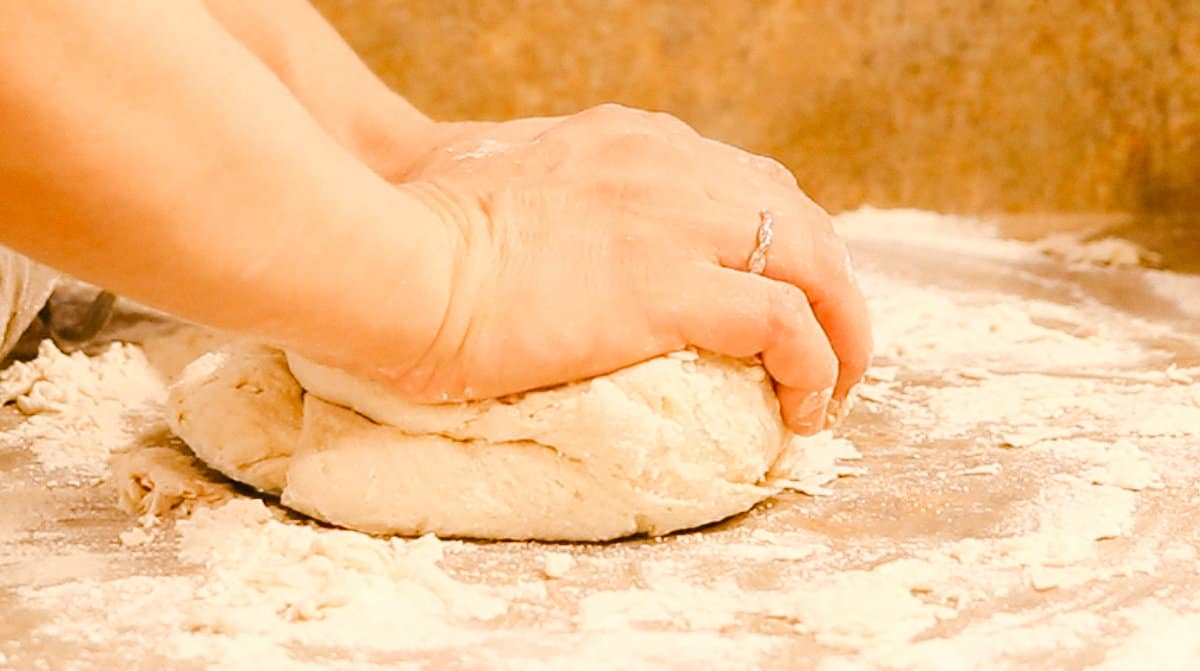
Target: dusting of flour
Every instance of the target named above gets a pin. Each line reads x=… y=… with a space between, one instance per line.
x=1024 y=453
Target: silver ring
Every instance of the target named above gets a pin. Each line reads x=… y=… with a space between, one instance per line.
x=766 y=235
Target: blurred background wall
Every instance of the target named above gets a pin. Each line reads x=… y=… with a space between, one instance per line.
x=955 y=105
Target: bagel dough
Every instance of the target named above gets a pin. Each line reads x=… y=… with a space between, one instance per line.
x=672 y=443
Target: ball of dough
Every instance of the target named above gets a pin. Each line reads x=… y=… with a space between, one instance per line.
x=673 y=443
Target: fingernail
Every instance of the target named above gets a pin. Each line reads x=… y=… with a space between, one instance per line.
x=833 y=415
x=839 y=409
x=813 y=410
x=837 y=412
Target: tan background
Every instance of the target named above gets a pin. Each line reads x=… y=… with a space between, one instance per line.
x=956 y=105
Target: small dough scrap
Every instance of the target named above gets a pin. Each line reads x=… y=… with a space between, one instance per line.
x=158 y=480
x=672 y=443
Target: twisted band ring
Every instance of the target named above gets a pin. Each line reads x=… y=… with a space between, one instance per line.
x=766 y=235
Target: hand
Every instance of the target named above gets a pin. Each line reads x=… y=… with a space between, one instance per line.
x=591 y=242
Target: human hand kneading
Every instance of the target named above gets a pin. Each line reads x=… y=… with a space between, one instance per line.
x=591 y=242
x=586 y=248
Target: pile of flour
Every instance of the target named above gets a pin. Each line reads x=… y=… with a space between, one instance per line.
x=81 y=409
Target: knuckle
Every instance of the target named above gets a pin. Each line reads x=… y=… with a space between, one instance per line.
x=785 y=308
x=611 y=111
x=776 y=170
x=790 y=299
x=602 y=117
x=670 y=122
x=630 y=119
x=611 y=107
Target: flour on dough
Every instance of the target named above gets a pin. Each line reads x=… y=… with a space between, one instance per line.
x=673 y=443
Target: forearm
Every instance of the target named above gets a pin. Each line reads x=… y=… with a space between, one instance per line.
x=142 y=148
x=328 y=78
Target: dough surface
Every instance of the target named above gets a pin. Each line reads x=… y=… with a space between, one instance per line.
x=673 y=443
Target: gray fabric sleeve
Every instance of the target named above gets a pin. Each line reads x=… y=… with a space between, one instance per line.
x=24 y=288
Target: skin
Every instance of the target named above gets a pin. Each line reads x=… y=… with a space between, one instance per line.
x=237 y=165
x=325 y=75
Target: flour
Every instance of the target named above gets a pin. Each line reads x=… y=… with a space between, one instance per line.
x=668 y=602
x=485 y=148
x=262 y=578
x=1025 y=498
x=812 y=462
x=1169 y=420
x=81 y=409
x=983 y=469
x=1102 y=251
x=135 y=537
x=268 y=571
x=1123 y=465
x=1163 y=639
x=863 y=609
x=1176 y=374
x=557 y=564
x=764 y=545
x=1010 y=641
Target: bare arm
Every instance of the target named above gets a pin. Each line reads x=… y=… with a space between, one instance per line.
x=353 y=105
x=145 y=149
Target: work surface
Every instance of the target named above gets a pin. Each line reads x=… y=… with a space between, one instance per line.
x=1027 y=497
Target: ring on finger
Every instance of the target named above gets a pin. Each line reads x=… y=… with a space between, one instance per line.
x=765 y=236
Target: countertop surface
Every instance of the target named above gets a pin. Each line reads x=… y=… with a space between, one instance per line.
x=1027 y=497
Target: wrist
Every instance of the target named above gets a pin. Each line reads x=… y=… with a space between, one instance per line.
x=460 y=278
x=387 y=134
x=393 y=281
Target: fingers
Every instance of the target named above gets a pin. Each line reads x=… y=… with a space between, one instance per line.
x=807 y=254
x=843 y=313
x=739 y=314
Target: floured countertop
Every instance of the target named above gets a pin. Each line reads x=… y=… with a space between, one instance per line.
x=1027 y=497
